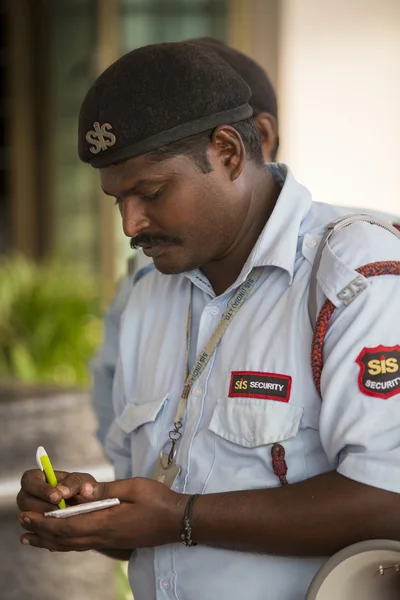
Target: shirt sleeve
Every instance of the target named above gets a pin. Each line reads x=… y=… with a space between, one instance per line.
x=117 y=443
x=104 y=364
x=360 y=383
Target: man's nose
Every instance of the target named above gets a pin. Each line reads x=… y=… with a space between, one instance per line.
x=134 y=221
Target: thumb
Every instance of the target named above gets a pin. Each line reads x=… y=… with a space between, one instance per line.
x=122 y=489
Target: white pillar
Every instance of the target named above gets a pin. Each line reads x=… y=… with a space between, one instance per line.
x=339 y=90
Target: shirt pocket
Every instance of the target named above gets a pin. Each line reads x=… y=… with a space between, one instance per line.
x=245 y=430
x=251 y=422
x=142 y=423
x=135 y=415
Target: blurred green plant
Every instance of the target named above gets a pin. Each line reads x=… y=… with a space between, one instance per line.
x=123 y=589
x=50 y=322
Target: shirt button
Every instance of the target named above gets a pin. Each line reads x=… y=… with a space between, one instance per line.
x=164 y=584
x=197 y=392
x=214 y=311
x=178 y=487
x=311 y=243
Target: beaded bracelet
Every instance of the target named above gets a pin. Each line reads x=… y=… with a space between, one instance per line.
x=186 y=531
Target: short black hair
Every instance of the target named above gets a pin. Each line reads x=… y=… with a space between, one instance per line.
x=195 y=147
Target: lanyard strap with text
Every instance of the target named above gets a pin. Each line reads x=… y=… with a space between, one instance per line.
x=205 y=355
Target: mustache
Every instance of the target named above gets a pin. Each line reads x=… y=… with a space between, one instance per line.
x=154 y=240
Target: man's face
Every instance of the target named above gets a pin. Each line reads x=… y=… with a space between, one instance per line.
x=181 y=217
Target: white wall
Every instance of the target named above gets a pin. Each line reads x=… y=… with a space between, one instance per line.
x=339 y=90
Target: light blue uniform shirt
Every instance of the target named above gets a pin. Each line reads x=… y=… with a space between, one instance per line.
x=226 y=443
x=104 y=364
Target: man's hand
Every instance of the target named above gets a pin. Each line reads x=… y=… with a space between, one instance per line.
x=315 y=517
x=150 y=514
x=38 y=496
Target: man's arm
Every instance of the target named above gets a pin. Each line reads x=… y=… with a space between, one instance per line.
x=316 y=517
x=311 y=518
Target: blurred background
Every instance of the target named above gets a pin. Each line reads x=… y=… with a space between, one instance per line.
x=335 y=67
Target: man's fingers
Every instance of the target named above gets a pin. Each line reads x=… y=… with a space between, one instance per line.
x=27 y=502
x=72 y=483
x=34 y=483
x=32 y=539
x=124 y=489
x=88 y=525
x=95 y=491
x=59 y=545
x=38 y=496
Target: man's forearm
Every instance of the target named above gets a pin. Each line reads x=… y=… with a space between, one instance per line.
x=315 y=517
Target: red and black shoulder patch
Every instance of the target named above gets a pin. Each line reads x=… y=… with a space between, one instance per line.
x=379 y=374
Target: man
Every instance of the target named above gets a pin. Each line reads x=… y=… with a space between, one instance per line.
x=218 y=420
x=265 y=114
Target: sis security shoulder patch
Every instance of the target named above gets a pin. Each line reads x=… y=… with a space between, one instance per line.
x=379 y=374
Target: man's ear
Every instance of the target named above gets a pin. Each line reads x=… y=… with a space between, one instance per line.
x=268 y=128
x=227 y=147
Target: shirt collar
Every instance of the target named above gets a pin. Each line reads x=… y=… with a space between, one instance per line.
x=277 y=243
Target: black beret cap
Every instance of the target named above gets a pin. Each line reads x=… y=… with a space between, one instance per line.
x=263 y=97
x=156 y=95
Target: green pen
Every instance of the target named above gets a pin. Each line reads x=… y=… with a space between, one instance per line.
x=44 y=464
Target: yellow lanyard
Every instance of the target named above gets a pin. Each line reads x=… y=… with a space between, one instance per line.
x=205 y=355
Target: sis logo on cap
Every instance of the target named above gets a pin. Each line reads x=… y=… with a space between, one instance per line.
x=100 y=137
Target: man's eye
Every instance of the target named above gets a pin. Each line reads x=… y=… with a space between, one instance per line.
x=151 y=196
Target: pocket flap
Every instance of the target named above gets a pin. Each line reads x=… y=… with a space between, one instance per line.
x=135 y=415
x=252 y=422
